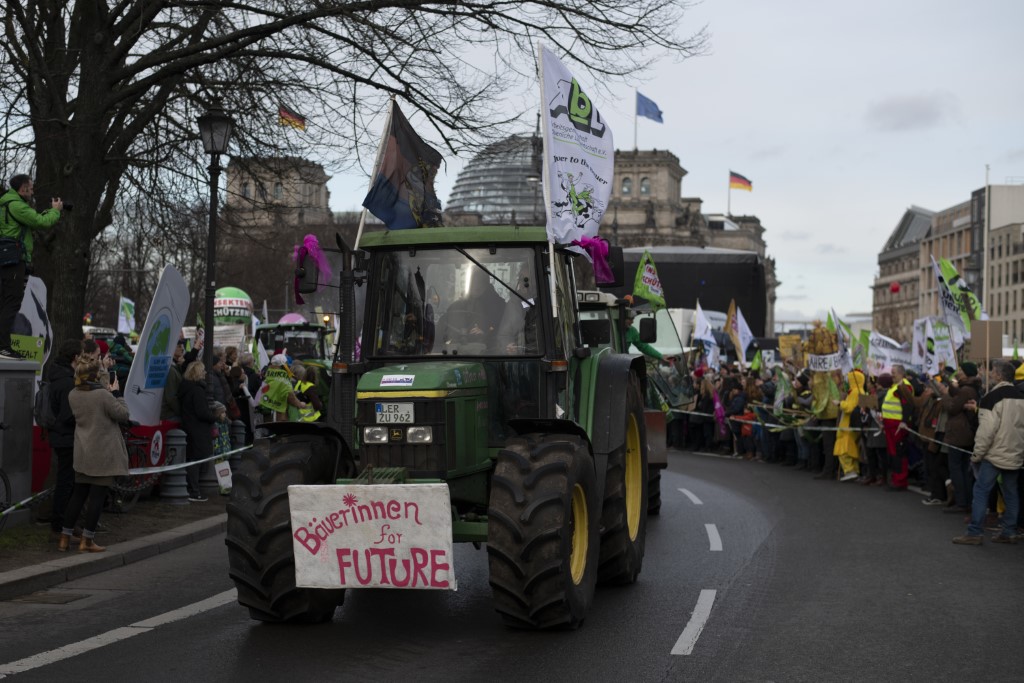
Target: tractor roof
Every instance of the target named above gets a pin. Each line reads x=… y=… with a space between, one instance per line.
x=463 y=237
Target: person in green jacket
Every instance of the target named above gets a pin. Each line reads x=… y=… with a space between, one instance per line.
x=633 y=337
x=18 y=220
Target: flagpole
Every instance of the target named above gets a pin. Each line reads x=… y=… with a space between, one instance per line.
x=635 y=99
x=984 y=247
x=376 y=166
x=545 y=179
x=728 y=200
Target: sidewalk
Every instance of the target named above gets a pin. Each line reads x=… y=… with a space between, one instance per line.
x=29 y=560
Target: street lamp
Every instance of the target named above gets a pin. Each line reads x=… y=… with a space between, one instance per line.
x=215 y=129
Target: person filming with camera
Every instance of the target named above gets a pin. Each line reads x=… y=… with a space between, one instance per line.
x=18 y=220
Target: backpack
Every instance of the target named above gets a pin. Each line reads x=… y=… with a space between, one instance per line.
x=42 y=408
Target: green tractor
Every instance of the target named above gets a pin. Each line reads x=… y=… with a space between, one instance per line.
x=603 y=322
x=307 y=343
x=474 y=378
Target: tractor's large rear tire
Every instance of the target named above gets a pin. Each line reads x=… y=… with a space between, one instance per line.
x=542 y=536
x=624 y=513
x=259 y=538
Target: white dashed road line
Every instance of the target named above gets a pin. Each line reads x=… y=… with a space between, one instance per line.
x=694 y=499
x=688 y=638
x=117 y=634
x=713 y=538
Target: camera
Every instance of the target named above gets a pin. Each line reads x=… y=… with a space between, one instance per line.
x=69 y=206
x=112 y=376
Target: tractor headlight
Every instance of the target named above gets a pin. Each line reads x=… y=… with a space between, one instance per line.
x=419 y=435
x=375 y=434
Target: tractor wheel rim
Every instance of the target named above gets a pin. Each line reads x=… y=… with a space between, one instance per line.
x=580 y=535
x=634 y=478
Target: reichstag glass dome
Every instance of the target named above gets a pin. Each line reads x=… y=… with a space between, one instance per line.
x=502 y=183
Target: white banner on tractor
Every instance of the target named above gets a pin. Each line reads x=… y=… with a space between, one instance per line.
x=372 y=536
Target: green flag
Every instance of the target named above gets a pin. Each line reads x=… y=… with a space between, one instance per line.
x=755 y=364
x=1016 y=351
x=647 y=284
x=830 y=324
x=970 y=307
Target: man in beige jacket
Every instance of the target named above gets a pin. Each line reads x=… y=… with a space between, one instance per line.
x=998 y=454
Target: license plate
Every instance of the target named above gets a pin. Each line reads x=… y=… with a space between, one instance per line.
x=394 y=413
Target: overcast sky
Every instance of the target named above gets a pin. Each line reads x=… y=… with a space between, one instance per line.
x=842 y=114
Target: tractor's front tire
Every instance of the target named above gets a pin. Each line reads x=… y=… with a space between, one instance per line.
x=259 y=538
x=543 y=537
x=624 y=513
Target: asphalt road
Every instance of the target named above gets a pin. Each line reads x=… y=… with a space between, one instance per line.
x=813 y=581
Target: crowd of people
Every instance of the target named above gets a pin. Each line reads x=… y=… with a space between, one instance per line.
x=957 y=434
x=90 y=416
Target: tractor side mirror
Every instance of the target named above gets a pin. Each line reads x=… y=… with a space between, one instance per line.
x=648 y=330
x=306 y=275
x=595 y=332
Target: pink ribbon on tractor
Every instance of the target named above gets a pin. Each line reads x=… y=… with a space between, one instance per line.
x=597 y=250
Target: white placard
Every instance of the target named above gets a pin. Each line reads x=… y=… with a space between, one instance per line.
x=372 y=536
x=826 y=363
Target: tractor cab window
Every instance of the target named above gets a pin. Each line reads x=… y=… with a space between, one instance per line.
x=467 y=302
x=303 y=345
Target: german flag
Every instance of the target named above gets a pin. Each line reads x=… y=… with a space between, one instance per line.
x=738 y=182
x=287 y=117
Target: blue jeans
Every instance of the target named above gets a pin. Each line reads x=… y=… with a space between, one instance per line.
x=960 y=474
x=987 y=474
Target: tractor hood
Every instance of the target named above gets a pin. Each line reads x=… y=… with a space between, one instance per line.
x=406 y=377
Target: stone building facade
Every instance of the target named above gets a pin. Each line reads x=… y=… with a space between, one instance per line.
x=897 y=286
x=271 y=204
x=1003 y=296
x=951 y=237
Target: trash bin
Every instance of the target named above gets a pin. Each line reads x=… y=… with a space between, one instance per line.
x=17 y=387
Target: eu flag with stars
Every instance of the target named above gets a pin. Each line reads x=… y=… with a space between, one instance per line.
x=647 y=108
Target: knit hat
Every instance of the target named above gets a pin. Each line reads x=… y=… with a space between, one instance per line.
x=970 y=369
x=279 y=359
x=1018 y=374
x=885 y=380
x=104 y=347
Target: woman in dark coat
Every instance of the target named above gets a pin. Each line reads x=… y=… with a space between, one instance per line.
x=197 y=422
x=100 y=454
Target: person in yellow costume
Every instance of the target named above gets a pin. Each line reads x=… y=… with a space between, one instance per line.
x=846 y=448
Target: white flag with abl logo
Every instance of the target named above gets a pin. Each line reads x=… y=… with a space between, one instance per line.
x=579 y=155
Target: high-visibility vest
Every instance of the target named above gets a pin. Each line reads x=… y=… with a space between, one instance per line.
x=309 y=413
x=892 y=407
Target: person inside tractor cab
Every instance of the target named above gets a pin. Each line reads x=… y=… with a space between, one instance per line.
x=303 y=346
x=475 y=317
x=517 y=332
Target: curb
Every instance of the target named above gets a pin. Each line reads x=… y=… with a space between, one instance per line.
x=38 y=577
